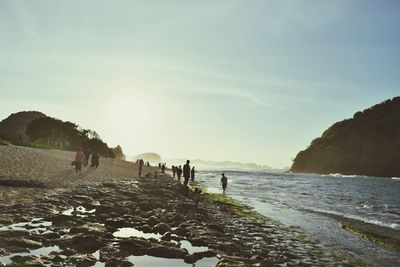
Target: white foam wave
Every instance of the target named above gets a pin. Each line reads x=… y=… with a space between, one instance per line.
x=343 y=175
x=396 y=178
x=359 y=218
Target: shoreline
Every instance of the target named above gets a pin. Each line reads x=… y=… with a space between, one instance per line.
x=80 y=219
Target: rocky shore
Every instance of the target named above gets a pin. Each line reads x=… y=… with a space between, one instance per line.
x=144 y=221
x=49 y=216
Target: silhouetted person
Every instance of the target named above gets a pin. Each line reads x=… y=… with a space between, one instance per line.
x=186 y=172
x=173 y=171
x=192 y=172
x=224 y=182
x=87 y=155
x=141 y=163
x=179 y=172
x=163 y=168
x=95 y=160
x=79 y=161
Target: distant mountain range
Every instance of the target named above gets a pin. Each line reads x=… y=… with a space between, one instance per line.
x=367 y=144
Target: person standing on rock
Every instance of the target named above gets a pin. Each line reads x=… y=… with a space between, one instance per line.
x=141 y=163
x=186 y=172
x=79 y=160
x=224 y=182
x=192 y=173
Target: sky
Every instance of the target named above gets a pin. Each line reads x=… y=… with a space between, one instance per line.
x=249 y=81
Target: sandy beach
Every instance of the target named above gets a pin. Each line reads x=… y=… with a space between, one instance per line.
x=44 y=170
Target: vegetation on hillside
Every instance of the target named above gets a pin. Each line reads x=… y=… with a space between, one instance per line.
x=367 y=144
x=14 y=126
x=66 y=136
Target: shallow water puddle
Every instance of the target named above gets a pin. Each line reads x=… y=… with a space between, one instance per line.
x=192 y=249
x=129 y=232
x=34 y=224
x=98 y=263
x=79 y=211
x=44 y=251
x=150 y=261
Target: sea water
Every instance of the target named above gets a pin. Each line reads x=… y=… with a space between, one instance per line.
x=307 y=200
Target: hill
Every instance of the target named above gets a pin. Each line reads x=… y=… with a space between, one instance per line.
x=367 y=144
x=35 y=129
x=14 y=126
x=150 y=157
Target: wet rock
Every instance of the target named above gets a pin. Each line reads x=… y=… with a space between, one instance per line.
x=23 y=243
x=14 y=233
x=31 y=261
x=232 y=262
x=118 y=263
x=82 y=260
x=135 y=246
x=167 y=252
x=117 y=222
x=51 y=235
x=162 y=228
x=167 y=236
x=84 y=244
x=152 y=220
x=181 y=231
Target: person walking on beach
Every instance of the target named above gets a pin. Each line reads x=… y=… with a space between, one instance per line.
x=141 y=163
x=95 y=160
x=186 y=172
x=224 y=182
x=192 y=172
x=79 y=160
x=179 y=172
x=173 y=171
x=163 y=168
x=87 y=155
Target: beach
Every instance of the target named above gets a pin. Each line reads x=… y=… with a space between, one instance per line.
x=110 y=217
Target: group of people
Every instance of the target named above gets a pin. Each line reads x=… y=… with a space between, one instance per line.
x=188 y=173
x=82 y=159
x=178 y=171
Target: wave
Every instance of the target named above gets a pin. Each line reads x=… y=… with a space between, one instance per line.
x=395 y=226
x=396 y=178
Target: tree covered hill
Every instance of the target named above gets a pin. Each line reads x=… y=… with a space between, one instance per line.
x=26 y=128
x=367 y=144
x=14 y=126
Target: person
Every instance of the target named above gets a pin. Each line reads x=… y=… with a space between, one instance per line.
x=179 y=172
x=186 y=172
x=192 y=172
x=79 y=160
x=95 y=160
x=173 y=171
x=224 y=182
x=141 y=163
x=87 y=155
x=163 y=168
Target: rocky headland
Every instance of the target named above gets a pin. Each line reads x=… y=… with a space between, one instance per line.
x=367 y=144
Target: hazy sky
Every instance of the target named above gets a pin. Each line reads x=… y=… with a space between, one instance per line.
x=250 y=81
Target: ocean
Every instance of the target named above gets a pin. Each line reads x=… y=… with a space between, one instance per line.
x=312 y=201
